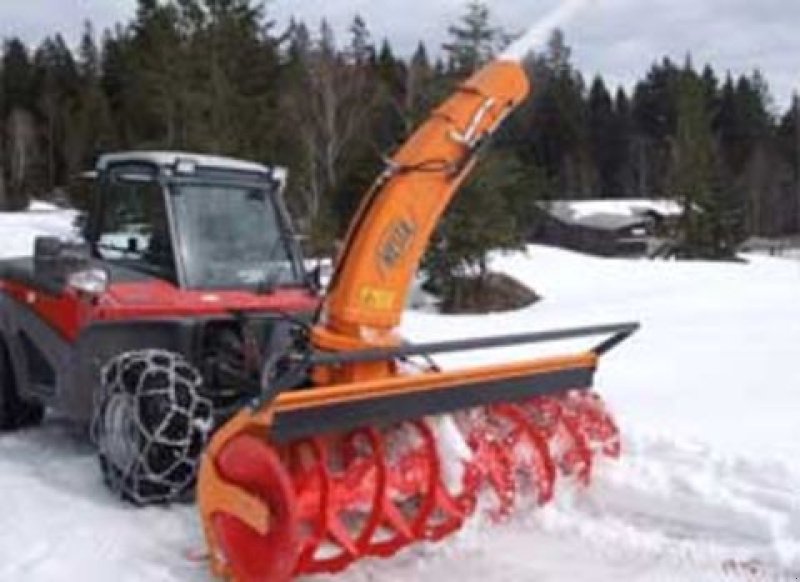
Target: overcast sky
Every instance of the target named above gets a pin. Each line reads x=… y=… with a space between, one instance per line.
x=616 y=38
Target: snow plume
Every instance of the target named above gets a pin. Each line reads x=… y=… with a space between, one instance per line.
x=538 y=34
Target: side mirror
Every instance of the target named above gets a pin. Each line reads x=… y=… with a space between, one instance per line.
x=65 y=264
x=47 y=249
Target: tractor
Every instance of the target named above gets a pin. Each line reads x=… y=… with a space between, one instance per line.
x=150 y=329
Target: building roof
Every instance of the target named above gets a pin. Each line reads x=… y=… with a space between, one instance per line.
x=610 y=214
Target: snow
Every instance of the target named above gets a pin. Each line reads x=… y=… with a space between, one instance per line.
x=536 y=37
x=628 y=207
x=706 y=394
x=19 y=230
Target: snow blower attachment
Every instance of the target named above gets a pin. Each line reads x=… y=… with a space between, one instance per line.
x=359 y=445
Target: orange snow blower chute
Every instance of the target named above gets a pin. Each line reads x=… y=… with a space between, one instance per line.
x=359 y=444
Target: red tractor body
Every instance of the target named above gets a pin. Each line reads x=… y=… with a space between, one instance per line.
x=188 y=256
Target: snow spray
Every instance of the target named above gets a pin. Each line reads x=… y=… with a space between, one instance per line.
x=538 y=34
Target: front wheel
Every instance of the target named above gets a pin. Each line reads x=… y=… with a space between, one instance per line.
x=150 y=426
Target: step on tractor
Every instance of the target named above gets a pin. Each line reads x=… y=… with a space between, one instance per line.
x=185 y=330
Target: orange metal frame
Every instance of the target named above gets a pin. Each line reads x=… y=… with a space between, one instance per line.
x=409 y=384
x=394 y=224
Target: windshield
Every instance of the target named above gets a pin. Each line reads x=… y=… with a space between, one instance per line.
x=232 y=237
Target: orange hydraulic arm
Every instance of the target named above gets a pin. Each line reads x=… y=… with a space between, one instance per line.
x=396 y=220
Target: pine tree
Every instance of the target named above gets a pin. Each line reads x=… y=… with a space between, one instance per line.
x=418 y=89
x=154 y=94
x=234 y=64
x=473 y=39
x=361 y=50
x=706 y=225
x=18 y=102
x=602 y=126
x=788 y=144
x=391 y=122
x=90 y=129
x=558 y=57
x=556 y=121
x=481 y=218
x=654 y=112
x=57 y=84
x=622 y=142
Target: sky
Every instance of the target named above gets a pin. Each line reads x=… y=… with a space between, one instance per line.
x=618 y=39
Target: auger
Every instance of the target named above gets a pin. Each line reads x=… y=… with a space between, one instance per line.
x=357 y=443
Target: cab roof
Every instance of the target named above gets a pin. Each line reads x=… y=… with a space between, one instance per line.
x=170 y=158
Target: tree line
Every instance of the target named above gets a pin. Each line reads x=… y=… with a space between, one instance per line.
x=220 y=76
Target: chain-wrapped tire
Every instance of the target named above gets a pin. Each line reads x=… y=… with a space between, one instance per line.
x=150 y=426
x=15 y=413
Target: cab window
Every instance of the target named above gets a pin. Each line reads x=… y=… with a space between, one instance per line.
x=134 y=229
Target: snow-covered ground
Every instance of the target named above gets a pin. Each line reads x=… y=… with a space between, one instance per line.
x=707 y=395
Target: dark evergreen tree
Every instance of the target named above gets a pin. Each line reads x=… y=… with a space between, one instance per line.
x=789 y=147
x=622 y=142
x=482 y=218
x=57 y=84
x=215 y=76
x=18 y=83
x=362 y=51
x=707 y=226
x=602 y=124
x=20 y=144
x=555 y=121
x=473 y=40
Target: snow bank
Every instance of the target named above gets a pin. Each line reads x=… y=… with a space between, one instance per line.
x=41 y=206
x=18 y=230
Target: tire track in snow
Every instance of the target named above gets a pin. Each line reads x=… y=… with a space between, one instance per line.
x=680 y=503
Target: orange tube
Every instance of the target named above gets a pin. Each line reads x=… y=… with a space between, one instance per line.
x=392 y=229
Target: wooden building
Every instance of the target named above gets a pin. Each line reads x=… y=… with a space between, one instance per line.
x=608 y=227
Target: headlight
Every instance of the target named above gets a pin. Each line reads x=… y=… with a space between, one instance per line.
x=91 y=281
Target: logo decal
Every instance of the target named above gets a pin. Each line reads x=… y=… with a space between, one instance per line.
x=395 y=243
x=376 y=299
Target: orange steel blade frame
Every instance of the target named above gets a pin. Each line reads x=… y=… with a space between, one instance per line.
x=272 y=509
x=318 y=504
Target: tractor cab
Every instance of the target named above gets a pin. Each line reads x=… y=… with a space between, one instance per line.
x=199 y=222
